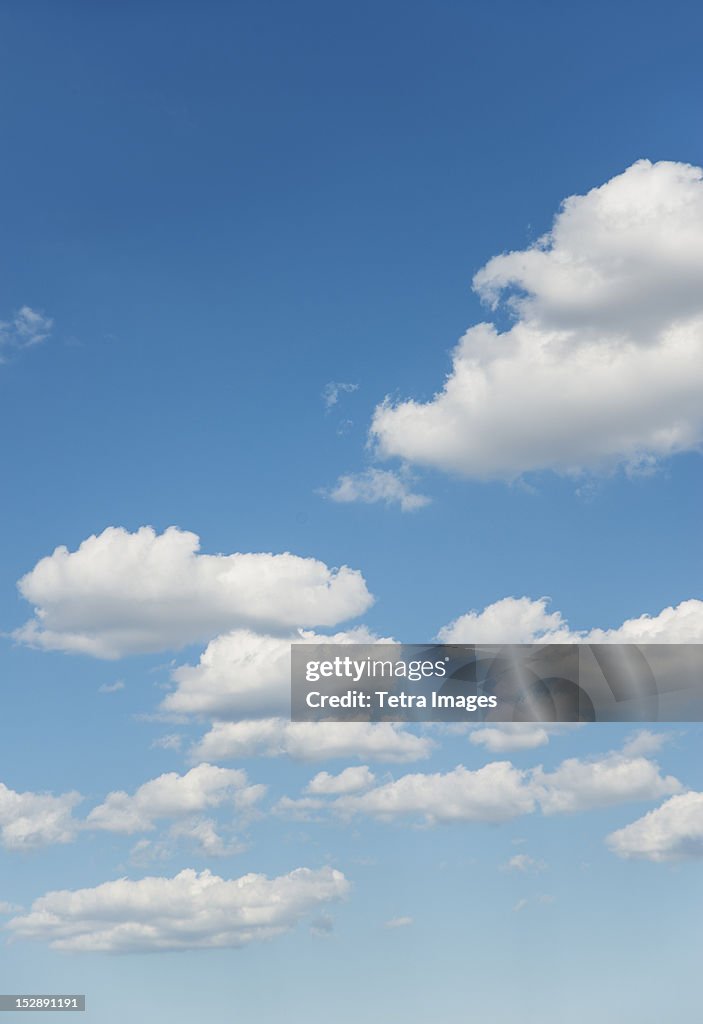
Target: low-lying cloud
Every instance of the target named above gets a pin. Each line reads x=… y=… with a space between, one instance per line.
x=188 y=911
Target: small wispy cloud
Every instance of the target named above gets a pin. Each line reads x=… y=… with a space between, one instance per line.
x=322 y=926
x=332 y=391
x=522 y=862
x=399 y=922
x=172 y=741
x=111 y=687
x=645 y=742
x=27 y=328
x=9 y=908
x=378 y=485
x=542 y=899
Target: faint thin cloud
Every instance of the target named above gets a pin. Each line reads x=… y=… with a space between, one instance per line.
x=522 y=862
x=332 y=391
x=172 y=741
x=542 y=899
x=10 y=908
x=27 y=328
x=111 y=687
x=378 y=485
x=322 y=926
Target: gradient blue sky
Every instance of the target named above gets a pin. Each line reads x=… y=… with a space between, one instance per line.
x=222 y=208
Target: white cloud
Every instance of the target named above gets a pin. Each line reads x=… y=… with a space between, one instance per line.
x=26 y=328
x=310 y=741
x=351 y=780
x=543 y=899
x=682 y=624
x=512 y=620
x=123 y=593
x=111 y=687
x=244 y=673
x=673 y=831
x=497 y=792
x=36 y=819
x=374 y=485
x=511 y=736
x=522 y=620
x=9 y=908
x=332 y=391
x=203 y=833
x=645 y=742
x=304 y=808
x=172 y=741
x=399 y=922
x=523 y=863
x=188 y=911
x=582 y=785
x=172 y=795
x=603 y=364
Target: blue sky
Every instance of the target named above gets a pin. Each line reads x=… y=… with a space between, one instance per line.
x=210 y=215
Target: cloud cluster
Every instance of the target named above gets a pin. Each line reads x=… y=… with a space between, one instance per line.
x=523 y=620
x=496 y=792
x=311 y=741
x=171 y=796
x=603 y=364
x=499 y=791
x=584 y=785
x=188 y=911
x=125 y=593
x=29 y=819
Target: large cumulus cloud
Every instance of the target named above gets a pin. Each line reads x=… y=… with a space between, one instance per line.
x=603 y=364
x=124 y=593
